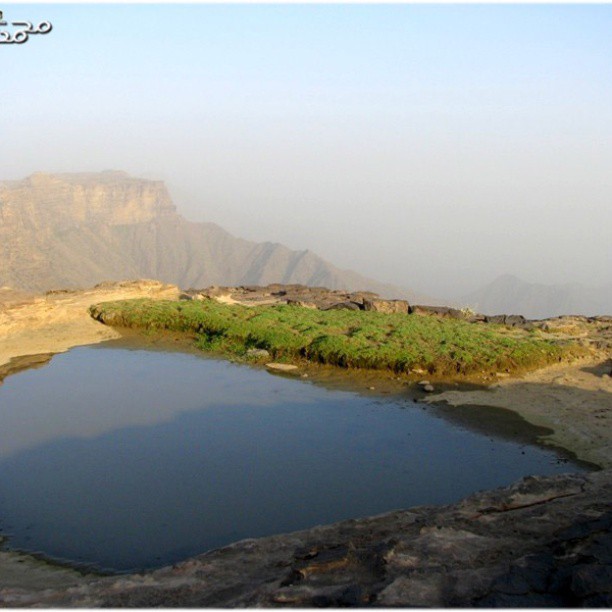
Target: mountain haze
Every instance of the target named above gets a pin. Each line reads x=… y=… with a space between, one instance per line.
x=75 y=230
x=509 y=294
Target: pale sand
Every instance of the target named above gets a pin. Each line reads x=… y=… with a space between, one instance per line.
x=22 y=571
x=56 y=322
x=575 y=401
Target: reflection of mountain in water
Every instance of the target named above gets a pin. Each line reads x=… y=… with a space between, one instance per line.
x=162 y=382
x=75 y=230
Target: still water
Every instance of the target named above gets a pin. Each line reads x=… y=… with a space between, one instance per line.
x=130 y=459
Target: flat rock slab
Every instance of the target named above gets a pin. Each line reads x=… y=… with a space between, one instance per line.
x=281 y=367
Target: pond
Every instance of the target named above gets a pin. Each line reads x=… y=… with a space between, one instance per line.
x=123 y=460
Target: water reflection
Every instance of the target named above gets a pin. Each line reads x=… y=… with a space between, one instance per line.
x=87 y=392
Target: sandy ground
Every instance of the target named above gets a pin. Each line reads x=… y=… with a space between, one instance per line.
x=575 y=401
x=55 y=322
x=26 y=572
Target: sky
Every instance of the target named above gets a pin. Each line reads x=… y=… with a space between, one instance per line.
x=432 y=146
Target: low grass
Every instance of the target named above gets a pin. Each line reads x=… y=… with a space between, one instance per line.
x=345 y=338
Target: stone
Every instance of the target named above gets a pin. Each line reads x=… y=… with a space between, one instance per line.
x=592 y=579
x=477 y=318
x=343 y=306
x=282 y=367
x=601 y=600
x=526 y=600
x=301 y=303
x=510 y=321
x=351 y=596
x=540 y=542
x=515 y=320
x=420 y=590
x=438 y=311
x=386 y=306
x=530 y=574
x=496 y=319
x=359 y=296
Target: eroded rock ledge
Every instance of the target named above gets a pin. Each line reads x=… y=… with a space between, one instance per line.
x=540 y=542
x=593 y=332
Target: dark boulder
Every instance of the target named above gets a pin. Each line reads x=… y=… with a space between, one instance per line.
x=343 y=306
x=509 y=320
x=439 y=311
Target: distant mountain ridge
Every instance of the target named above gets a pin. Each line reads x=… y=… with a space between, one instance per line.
x=511 y=295
x=75 y=230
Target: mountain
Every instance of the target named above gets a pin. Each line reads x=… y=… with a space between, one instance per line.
x=511 y=295
x=75 y=230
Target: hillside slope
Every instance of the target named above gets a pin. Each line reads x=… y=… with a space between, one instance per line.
x=75 y=230
x=509 y=294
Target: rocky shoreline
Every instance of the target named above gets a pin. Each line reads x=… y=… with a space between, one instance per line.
x=540 y=542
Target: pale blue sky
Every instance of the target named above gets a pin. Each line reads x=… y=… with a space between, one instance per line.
x=433 y=146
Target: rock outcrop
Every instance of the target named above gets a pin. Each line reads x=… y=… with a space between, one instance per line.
x=294 y=294
x=76 y=230
x=595 y=332
x=387 y=306
x=444 y=312
x=40 y=325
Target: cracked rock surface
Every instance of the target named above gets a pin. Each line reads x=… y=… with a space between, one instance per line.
x=544 y=541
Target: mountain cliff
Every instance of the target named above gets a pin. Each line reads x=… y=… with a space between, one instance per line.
x=509 y=294
x=75 y=230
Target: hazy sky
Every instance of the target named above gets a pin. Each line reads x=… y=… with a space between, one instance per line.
x=432 y=146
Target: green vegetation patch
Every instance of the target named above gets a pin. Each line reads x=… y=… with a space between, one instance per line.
x=346 y=338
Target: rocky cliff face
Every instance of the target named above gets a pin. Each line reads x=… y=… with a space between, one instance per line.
x=43 y=201
x=75 y=230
